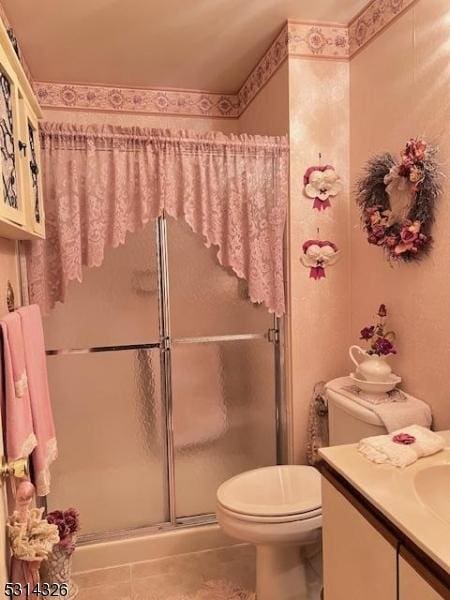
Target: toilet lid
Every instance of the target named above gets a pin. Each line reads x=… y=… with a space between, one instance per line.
x=273 y=491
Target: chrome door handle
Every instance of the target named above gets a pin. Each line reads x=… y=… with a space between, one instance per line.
x=16 y=468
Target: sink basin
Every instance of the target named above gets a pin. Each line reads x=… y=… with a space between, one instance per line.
x=433 y=488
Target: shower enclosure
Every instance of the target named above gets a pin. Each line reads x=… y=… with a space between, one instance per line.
x=165 y=381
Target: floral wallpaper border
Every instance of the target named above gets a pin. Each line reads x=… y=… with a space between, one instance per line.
x=322 y=41
x=266 y=67
x=296 y=39
x=373 y=19
x=105 y=98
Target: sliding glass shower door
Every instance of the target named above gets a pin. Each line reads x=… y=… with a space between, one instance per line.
x=105 y=383
x=163 y=383
x=223 y=384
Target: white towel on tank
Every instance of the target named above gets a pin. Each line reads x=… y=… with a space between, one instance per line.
x=383 y=450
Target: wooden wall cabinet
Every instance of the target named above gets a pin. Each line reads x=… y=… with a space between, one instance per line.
x=21 y=202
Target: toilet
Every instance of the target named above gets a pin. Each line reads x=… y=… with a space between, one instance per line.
x=279 y=508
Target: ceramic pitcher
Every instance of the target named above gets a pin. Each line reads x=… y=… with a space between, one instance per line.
x=370 y=367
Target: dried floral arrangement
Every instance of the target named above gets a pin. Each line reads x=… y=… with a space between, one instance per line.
x=381 y=342
x=398 y=200
x=68 y=524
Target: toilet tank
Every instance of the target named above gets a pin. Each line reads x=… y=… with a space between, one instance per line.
x=349 y=421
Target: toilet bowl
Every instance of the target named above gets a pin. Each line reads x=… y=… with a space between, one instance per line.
x=279 y=510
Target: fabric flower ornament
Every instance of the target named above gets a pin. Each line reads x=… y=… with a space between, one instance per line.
x=321 y=183
x=404 y=438
x=411 y=239
x=317 y=255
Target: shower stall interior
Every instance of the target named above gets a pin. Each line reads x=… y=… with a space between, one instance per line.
x=165 y=381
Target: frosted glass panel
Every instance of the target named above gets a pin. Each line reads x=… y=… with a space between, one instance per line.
x=109 y=412
x=116 y=303
x=207 y=299
x=224 y=417
x=109 y=422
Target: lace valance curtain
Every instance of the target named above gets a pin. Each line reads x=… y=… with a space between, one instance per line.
x=102 y=182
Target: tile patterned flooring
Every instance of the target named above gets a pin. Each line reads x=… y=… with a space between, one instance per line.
x=181 y=575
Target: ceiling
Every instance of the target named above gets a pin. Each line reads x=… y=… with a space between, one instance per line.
x=193 y=44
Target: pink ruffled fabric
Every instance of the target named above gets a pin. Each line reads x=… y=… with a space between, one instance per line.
x=102 y=182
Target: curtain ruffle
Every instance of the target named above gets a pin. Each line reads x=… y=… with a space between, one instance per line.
x=101 y=182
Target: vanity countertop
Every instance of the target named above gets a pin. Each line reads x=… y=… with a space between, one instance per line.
x=393 y=492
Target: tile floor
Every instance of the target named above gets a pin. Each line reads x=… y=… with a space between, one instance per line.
x=183 y=575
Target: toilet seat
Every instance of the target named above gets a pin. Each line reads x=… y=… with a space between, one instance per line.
x=273 y=494
x=268 y=519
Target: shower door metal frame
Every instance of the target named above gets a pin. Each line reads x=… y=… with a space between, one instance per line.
x=274 y=335
x=166 y=342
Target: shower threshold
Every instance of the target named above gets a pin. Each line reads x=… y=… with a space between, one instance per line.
x=182 y=523
x=150 y=543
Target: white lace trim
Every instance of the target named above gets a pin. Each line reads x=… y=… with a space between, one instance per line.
x=28 y=446
x=43 y=476
x=21 y=385
x=51 y=452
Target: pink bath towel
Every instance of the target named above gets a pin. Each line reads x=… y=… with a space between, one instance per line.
x=16 y=407
x=41 y=409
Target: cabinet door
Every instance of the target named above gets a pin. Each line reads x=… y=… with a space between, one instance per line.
x=30 y=169
x=413 y=585
x=359 y=561
x=12 y=203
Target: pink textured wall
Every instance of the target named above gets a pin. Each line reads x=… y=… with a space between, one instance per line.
x=319 y=310
x=400 y=88
x=268 y=113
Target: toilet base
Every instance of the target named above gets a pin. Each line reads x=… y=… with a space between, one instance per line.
x=280 y=573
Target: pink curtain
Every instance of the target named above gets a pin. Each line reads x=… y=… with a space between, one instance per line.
x=102 y=182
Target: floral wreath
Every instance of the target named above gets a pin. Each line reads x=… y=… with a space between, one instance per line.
x=397 y=201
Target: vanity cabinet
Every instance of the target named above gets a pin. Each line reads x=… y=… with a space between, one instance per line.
x=21 y=202
x=359 y=560
x=415 y=581
x=366 y=556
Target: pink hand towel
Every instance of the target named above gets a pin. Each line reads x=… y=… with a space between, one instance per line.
x=41 y=408
x=18 y=421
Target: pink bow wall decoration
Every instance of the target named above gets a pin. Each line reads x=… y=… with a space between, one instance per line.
x=317 y=255
x=321 y=183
